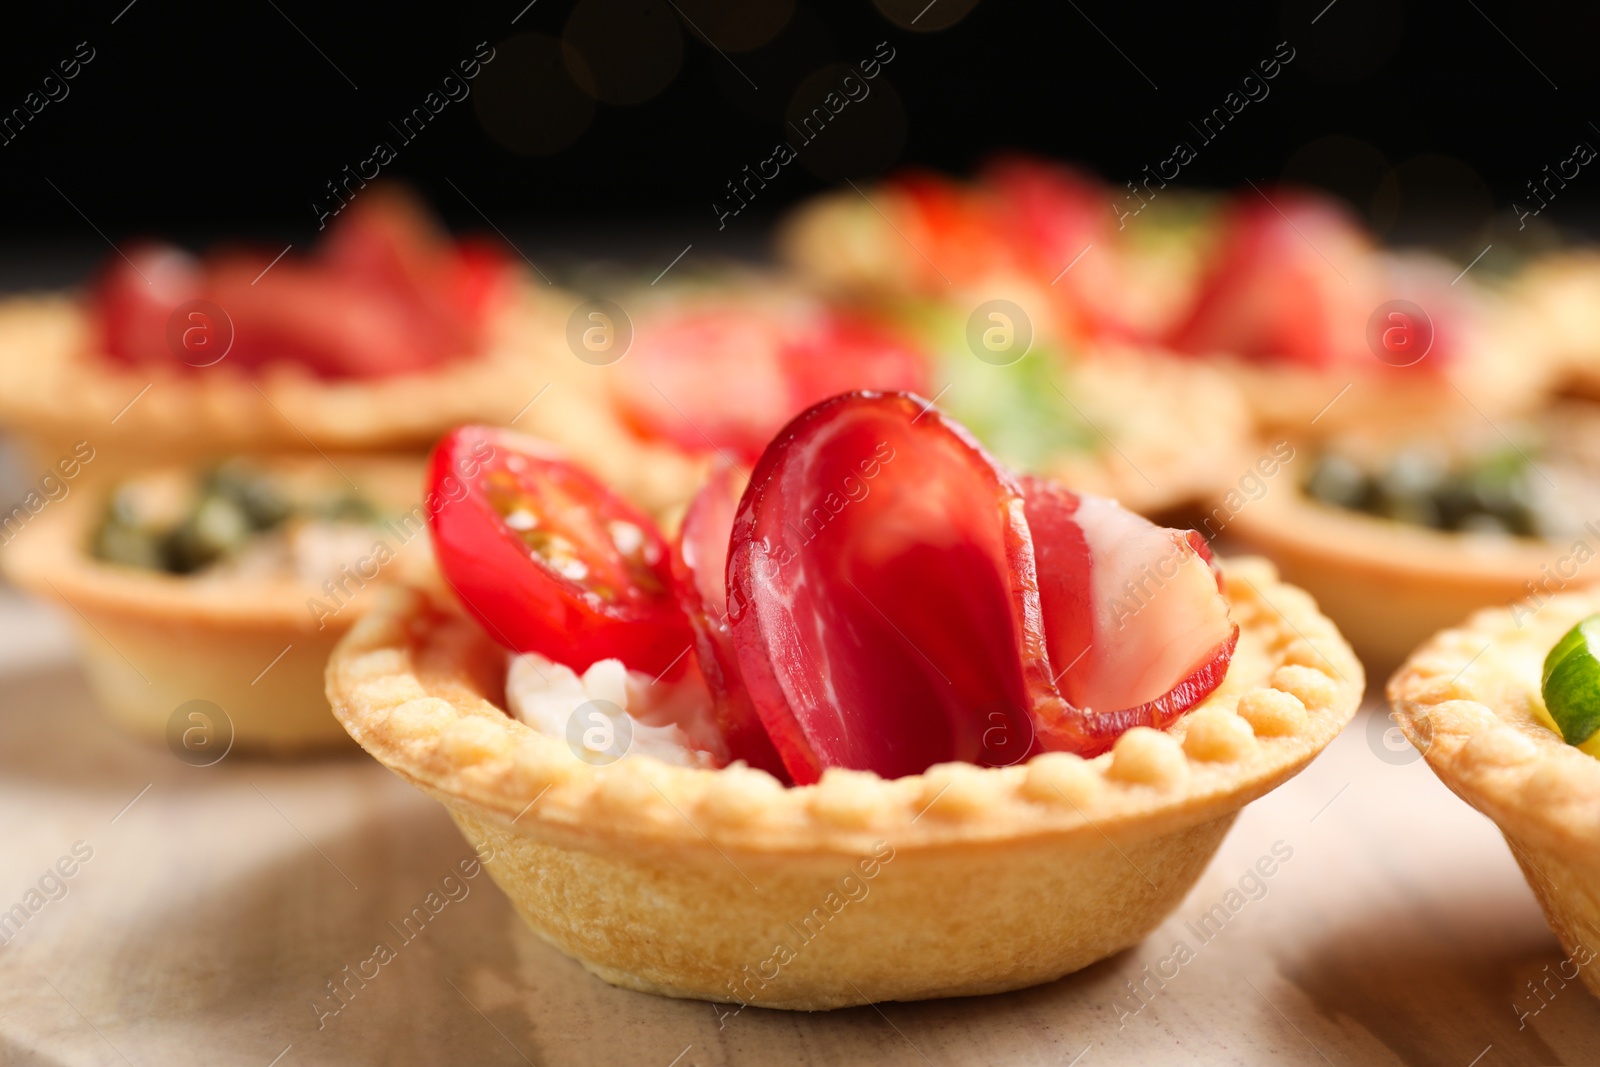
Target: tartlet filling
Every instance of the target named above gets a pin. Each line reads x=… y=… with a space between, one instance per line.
x=878 y=594
x=1570 y=686
x=1538 y=480
x=235 y=521
x=609 y=711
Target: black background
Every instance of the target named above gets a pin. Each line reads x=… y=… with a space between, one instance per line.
x=195 y=122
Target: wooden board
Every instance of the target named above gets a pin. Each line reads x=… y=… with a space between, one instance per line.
x=219 y=902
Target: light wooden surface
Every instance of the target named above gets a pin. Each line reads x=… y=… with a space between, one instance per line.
x=217 y=906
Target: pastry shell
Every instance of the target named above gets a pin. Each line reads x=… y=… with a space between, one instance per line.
x=726 y=886
x=1470 y=701
x=1187 y=437
x=152 y=641
x=1388 y=584
x=55 y=391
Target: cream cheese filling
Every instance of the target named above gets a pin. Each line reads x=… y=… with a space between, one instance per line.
x=609 y=712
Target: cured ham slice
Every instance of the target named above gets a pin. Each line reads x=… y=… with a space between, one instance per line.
x=387 y=293
x=1294 y=280
x=726 y=376
x=1134 y=617
x=882 y=595
x=699 y=569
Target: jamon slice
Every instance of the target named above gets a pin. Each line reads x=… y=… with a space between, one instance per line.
x=882 y=594
x=387 y=293
x=699 y=570
x=1049 y=210
x=1056 y=216
x=1293 y=280
x=1133 y=617
x=135 y=297
x=728 y=375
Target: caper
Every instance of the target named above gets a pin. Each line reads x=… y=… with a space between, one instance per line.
x=215 y=528
x=128 y=544
x=1338 y=481
x=256 y=494
x=1413 y=472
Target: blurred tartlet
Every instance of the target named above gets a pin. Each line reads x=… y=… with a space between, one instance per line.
x=1280 y=289
x=1401 y=534
x=1470 y=700
x=229 y=584
x=716 y=368
x=387 y=334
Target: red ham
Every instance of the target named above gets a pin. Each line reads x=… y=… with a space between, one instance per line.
x=725 y=376
x=1134 y=617
x=1293 y=280
x=699 y=570
x=882 y=597
x=136 y=297
x=898 y=600
x=386 y=294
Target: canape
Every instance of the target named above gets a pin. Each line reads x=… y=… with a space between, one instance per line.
x=228 y=584
x=715 y=371
x=888 y=690
x=384 y=336
x=1401 y=534
x=1503 y=709
x=1279 y=288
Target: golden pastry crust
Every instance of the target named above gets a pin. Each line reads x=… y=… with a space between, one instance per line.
x=152 y=641
x=671 y=879
x=1387 y=584
x=56 y=391
x=1186 y=438
x=1559 y=295
x=1470 y=700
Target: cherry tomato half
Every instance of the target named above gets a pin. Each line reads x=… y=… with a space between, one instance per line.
x=547 y=558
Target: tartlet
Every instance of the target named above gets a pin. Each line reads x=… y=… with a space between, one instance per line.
x=1391 y=571
x=704 y=883
x=1470 y=701
x=1056 y=409
x=383 y=336
x=1278 y=290
x=1387 y=584
x=55 y=389
x=253 y=644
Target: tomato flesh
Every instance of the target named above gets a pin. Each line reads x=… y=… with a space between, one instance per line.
x=548 y=559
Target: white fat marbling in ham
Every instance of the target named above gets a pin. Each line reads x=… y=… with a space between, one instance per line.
x=1158 y=610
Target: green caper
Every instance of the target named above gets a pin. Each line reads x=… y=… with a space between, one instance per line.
x=1338 y=481
x=128 y=544
x=215 y=528
x=254 y=492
